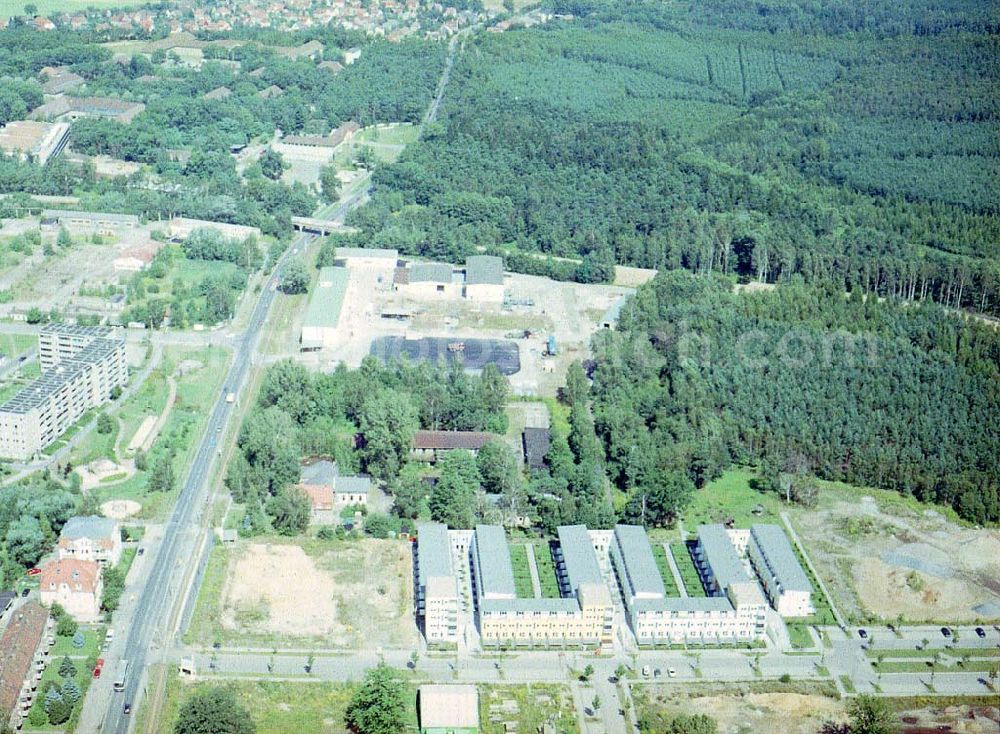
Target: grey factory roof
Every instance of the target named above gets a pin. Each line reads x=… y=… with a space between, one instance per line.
x=774 y=545
x=433 y=552
x=90 y=526
x=353 y=485
x=483 y=270
x=51 y=381
x=495 y=574
x=93 y=216
x=579 y=557
x=323 y=471
x=721 y=556
x=431 y=273
x=343 y=253
x=327 y=298
x=640 y=566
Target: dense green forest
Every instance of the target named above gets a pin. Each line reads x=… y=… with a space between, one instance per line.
x=853 y=142
x=800 y=379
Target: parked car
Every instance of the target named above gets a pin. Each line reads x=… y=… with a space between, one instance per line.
x=980 y=631
x=25 y=592
x=863 y=634
x=646 y=670
x=141 y=551
x=34 y=571
x=946 y=632
x=671 y=673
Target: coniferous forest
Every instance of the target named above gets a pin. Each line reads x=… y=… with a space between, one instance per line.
x=847 y=142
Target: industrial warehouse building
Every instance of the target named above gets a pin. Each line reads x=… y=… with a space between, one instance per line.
x=81 y=366
x=736 y=613
x=484 y=279
x=103 y=223
x=321 y=322
x=582 y=616
x=429 y=281
x=29 y=139
x=437 y=585
x=785 y=583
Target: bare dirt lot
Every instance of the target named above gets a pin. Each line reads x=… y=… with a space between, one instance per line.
x=884 y=556
x=745 y=712
x=350 y=595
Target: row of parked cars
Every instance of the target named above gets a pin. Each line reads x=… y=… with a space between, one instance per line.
x=945 y=632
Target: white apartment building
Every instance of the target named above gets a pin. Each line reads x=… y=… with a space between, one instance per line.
x=437 y=585
x=91 y=538
x=734 y=614
x=785 y=583
x=583 y=615
x=81 y=366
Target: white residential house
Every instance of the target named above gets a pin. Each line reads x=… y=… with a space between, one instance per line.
x=91 y=538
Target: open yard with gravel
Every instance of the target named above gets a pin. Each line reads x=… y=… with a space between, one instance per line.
x=886 y=556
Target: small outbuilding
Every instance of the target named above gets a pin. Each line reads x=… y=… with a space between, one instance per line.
x=449 y=709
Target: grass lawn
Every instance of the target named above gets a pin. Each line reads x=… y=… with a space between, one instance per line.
x=536 y=704
x=546 y=571
x=799 y=635
x=395 y=134
x=13 y=344
x=660 y=554
x=731 y=496
x=685 y=565
x=957 y=652
x=206 y=626
x=83 y=679
x=128 y=555
x=278 y=707
x=522 y=572
x=64 y=646
x=823 y=614
x=195 y=390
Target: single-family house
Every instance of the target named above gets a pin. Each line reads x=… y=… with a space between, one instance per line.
x=91 y=538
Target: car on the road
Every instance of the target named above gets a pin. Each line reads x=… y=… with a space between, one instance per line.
x=981 y=632
x=946 y=632
x=127 y=709
x=671 y=673
x=98 y=667
x=25 y=592
x=863 y=634
x=141 y=551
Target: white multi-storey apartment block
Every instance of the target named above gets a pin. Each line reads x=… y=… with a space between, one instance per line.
x=786 y=584
x=582 y=615
x=734 y=612
x=81 y=366
x=437 y=585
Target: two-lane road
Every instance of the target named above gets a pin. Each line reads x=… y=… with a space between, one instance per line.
x=150 y=628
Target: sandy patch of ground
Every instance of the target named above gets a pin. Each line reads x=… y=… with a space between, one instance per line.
x=142 y=433
x=750 y=713
x=93 y=474
x=278 y=589
x=120 y=509
x=633 y=277
x=964 y=719
x=356 y=594
x=897 y=560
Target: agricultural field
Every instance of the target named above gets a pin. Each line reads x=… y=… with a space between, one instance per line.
x=285 y=593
